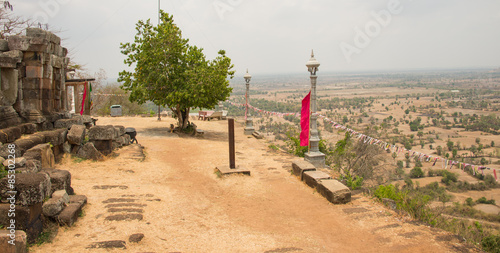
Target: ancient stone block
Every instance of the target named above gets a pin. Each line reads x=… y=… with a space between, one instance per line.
x=121 y=130
x=34 y=230
x=9 y=87
x=42 y=153
x=32 y=166
x=100 y=133
x=11 y=134
x=55 y=205
x=66 y=147
x=81 y=199
x=28 y=128
x=334 y=191
x=18 y=162
x=127 y=139
x=20 y=243
x=105 y=147
x=69 y=215
x=60 y=180
x=67 y=123
x=4 y=46
x=56 y=137
x=76 y=134
x=88 y=151
x=34 y=71
x=17 y=42
x=31 y=188
x=10 y=59
x=25 y=215
x=8 y=117
x=31 y=94
x=299 y=166
x=31 y=84
x=26 y=143
x=312 y=178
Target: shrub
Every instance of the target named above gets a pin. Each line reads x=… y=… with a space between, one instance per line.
x=483 y=200
x=469 y=202
x=491 y=243
x=416 y=172
x=449 y=177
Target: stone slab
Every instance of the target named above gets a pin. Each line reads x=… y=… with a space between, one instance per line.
x=79 y=199
x=312 y=178
x=55 y=205
x=76 y=134
x=20 y=242
x=89 y=151
x=42 y=153
x=101 y=133
x=334 y=191
x=31 y=188
x=300 y=166
x=225 y=170
x=59 y=180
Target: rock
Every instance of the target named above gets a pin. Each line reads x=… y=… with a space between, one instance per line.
x=31 y=188
x=127 y=139
x=300 y=166
x=135 y=238
x=26 y=143
x=334 y=191
x=28 y=128
x=11 y=58
x=26 y=216
x=102 y=133
x=42 y=153
x=55 y=205
x=60 y=180
x=257 y=135
x=4 y=46
x=88 y=151
x=69 y=215
x=121 y=130
x=105 y=147
x=18 y=162
x=390 y=203
x=76 y=134
x=66 y=147
x=312 y=178
x=33 y=166
x=20 y=243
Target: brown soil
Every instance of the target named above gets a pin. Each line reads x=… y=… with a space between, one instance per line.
x=187 y=208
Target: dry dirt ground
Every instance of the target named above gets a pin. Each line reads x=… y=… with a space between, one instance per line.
x=177 y=201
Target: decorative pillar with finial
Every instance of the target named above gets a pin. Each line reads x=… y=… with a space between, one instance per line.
x=314 y=156
x=249 y=129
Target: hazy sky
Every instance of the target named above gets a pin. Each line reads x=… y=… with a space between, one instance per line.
x=277 y=36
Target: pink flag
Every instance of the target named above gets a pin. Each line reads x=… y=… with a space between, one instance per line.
x=84 y=97
x=495 y=173
x=304 y=120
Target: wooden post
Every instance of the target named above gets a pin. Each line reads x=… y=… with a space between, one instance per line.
x=232 y=158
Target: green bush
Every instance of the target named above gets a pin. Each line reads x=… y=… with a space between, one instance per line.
x=483 y=200
x=469 y=202
x=416 y=172
x=491 y=243
x=449 y=177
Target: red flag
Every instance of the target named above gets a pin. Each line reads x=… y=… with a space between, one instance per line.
x=84 y=97
x=495 y=173
x=304 y=120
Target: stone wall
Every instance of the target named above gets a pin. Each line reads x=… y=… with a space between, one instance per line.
x=32 y=85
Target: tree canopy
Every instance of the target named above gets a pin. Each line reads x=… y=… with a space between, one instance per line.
x=172 y=73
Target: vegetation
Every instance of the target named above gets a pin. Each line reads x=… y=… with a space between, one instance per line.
x=170 y=72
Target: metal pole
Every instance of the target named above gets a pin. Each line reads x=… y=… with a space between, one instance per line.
x=232 y=156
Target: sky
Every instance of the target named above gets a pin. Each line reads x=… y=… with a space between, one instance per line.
x=271 y=37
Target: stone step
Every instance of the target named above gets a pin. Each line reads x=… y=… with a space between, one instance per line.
x=300 y=166
x=334 y=191
x=313 y=177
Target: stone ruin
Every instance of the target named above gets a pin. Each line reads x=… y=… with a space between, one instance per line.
x=35 y=120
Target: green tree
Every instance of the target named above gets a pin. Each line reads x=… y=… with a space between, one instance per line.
x=450 y=145
x=170 y=72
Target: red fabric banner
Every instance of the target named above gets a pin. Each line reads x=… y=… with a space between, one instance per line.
x=84 y=97
x=304 y=120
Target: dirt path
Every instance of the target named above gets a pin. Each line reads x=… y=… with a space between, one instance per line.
x=180 y=205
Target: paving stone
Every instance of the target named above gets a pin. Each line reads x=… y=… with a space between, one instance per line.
x=124 y=217
x=334 y=191
x=115 y=244
x=313 y=177
x=135 y=238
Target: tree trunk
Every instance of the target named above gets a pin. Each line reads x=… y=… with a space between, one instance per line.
x=182 y=117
